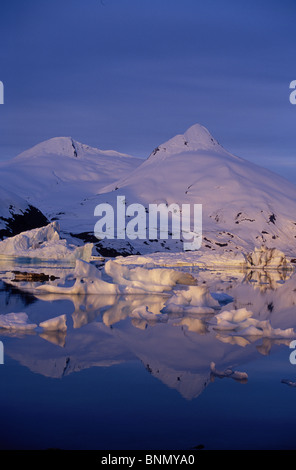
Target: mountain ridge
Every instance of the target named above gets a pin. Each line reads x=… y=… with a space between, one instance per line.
x=244 y=205
x=65 y=146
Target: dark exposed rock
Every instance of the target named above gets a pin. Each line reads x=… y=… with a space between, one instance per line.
x=27 y=220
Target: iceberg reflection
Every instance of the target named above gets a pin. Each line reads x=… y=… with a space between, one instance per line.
x=186 y=338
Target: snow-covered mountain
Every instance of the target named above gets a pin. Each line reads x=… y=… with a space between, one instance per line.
x=59 y=173
x=244 y=205
x=17 y=215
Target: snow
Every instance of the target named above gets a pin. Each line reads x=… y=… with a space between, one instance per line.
x=9 y=199
x=57 y=174
x=244 y=205
x=43 y=243
x=15 y=212
x=197 y=137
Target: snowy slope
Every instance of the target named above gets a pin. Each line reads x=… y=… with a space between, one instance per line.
x=17 y=215
x=244 y=205
x=60 y=172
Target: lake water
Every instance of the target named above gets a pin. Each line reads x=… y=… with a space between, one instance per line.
x=115 y=382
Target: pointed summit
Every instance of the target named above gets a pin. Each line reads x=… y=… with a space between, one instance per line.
x=197 y=137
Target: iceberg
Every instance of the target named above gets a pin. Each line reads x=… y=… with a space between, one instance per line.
x=43 y=243
x=147 y=280
x=117 y=279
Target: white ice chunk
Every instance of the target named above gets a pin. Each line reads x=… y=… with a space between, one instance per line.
x=43 y=243
x=147 y=280
x=121 y=280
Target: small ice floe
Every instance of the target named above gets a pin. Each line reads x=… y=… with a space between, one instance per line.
x=16 y=321
x=229 y=373
x=54 y=324
x=240 y=322
x=264 y=257
x=288 y=382
x=43 y=243
x=193 y=300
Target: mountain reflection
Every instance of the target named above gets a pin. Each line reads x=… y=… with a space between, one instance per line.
x=184 y=351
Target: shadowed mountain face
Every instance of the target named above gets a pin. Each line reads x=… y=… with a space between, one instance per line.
x=17 y=215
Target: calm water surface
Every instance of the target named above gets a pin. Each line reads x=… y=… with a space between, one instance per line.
x=113 y=381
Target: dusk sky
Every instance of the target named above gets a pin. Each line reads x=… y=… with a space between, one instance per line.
x=130 y=74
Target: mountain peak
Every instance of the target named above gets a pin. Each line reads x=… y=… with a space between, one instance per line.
x=63 y=146
x=197 y=137
x=67 y=147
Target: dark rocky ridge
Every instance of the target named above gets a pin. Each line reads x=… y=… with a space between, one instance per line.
x=19 y=222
